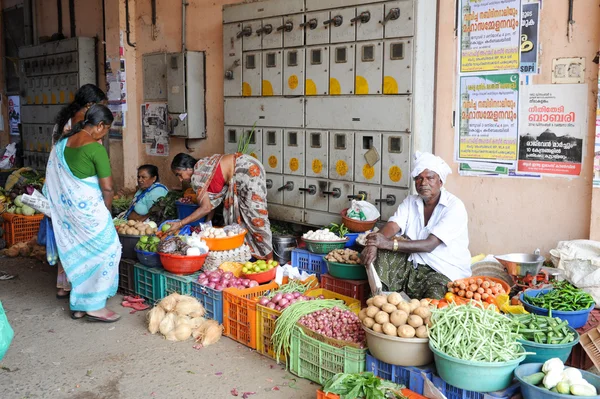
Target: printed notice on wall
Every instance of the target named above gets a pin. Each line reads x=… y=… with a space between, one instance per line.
x=530 y=19
x=14 y=114
x=154 y=128
x=553 y=128
x=490 y=35
x=488 y=118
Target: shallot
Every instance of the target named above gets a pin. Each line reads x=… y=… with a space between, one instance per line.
x=335 y=323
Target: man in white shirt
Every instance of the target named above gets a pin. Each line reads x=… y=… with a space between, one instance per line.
x=434 y=247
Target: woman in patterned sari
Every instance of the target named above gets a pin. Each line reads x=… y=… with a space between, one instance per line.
x=239 y=182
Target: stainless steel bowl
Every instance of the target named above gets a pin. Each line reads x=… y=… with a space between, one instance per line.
x=521 y=264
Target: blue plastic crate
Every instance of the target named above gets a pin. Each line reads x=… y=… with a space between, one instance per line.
x=411 y=377
x=177 y=283
x=126 y=277
x=149 y=283
x=452 y=392
x=211 y=299
x=185 y=210
x=309 y=262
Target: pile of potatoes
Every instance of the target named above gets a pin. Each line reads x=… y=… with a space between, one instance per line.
x=134 y=228
x=392 y=315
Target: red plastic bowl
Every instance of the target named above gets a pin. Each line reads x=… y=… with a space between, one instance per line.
x=180 y=264
x=263 y=277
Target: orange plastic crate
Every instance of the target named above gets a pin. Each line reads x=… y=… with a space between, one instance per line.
x=20 y=228
x=323 y=395
x=406 y=392
x=239 y=312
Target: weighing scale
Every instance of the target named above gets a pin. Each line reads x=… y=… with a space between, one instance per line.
x=526 y=269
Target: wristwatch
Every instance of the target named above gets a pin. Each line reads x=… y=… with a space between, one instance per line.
x=395 y=245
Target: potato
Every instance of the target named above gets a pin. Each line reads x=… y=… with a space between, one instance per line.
x=389 y=329
x=388 y=308
x=406 y=331
x=394 y=298
x=415 y=321
x=382 y=317
x=369 y=301
x=379 y=301
x=149 y=231
x=422 y=312
x=427 y=322
x=362 y=314
x=425 y=302
x=372 y=311
x=414 y=303
x=377 y=328
x=368 y=322
x=405 y=306
x=421 y=332
x=398 y=318
x=135 y=232
x=131 y=222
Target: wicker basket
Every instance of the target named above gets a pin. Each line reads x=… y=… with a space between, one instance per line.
x=357 y=226
x=324 y=247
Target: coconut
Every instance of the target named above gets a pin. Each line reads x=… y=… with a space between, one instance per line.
x=197 y=322
x=167 y=324
x=168 y=303
x=186 y=307
x=155 y=316
x=183 y=332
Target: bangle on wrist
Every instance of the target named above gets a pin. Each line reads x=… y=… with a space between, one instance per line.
x=395 y=245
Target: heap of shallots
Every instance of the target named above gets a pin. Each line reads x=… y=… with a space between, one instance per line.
x=179 y=317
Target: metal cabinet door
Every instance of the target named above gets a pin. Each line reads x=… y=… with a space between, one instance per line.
x=314 y=194
x=232 y=60
x=273 y=150
x=250 y=39
x=255 y=143
x=391 y=198
x=342 y=28
x=46 y=90
x=317 y=145
x=293 y=72
x=292 y=196
x=341 y=156
x=395 y=160
x=369 y=68
x=370 y=193
x=274 y=183
x=316 y=31
x=364 y=172
x=233 y=135
x=252 y=74
x=293 y=32
x=317 y=71
x=399 y=18
x=272 y=73
x=55 y=90
x=368 y=24
x=271 y=37
x=338 y=196
x=398 y=66
x=293 y=152
x=341 y=62
x=48 y=138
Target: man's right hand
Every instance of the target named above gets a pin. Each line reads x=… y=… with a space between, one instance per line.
x=368 y=255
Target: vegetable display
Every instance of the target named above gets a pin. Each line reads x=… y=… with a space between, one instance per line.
x=567 y=381
x=121 y=204
x=542 y=329
x=347 y=256
x=219 y=280
x=259 y=266
x=340 y=229
x=19 y=208
x=392 y=315
x=227 y=231
x=148 y=243
x=335 y=323
x=362 y=385
x=563 y=297
x=472 y=333
x=479 y=289
x=164 y=208
x=133 y=228
x=323 y=235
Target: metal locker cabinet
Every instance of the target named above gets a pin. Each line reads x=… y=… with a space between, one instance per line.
x=341 y=62
x=233 y=134
x=399 y=18
x=232 y=60
x=368 y=24
x=293 y=72
x=252 y=74
x=369 y=68
x=293 y=32
x=316 y=31
x=391 y=198
x=255 y=143
x=55 y=90
x=341 y=155
x=250 y=39
x=338 y=196
x=370 y=192
x=48 y=138
x=364 y=172
x=317 y=146
x=395 y=160
x=342 y=26
x=272 y=72
x=46 y=90
x=294 y=152
x=317 y=71
x=314 y=194
x=274 y=182
x=271 y=37
x=273 y=150
x=292 y=196
x=397 y=66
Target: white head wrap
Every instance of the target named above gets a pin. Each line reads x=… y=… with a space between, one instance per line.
x=426 y=160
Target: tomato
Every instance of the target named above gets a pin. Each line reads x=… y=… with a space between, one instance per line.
x=435 y=302
x=449 y=297
x=442 y=304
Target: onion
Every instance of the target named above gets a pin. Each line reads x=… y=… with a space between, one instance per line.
x=271 y=305
x=297 y=294
x=283 y=302
x=253 y=284
x=277 y=297
x=285 y=306
x=203 y=281
x=219 y=287
x=214 y=279
x=227 y=275
x=321 y=296
x=202 y=275
x=263 y=301
x=277 y=307
x=211 y=285
x=292 y=301
x=288 y=296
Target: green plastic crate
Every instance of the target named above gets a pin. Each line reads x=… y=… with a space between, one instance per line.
x=318 y=361
x=177 y=283
x=148 y=283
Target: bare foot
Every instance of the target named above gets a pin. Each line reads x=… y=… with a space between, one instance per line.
x=104 y=314
x=62 y=293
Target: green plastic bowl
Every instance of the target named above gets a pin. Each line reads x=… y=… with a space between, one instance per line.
x=545 y=352
x=347 y=272
x=474 y=376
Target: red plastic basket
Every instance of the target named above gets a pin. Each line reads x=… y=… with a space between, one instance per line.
x=20 y=228
x=180 y=264
x=357 y=289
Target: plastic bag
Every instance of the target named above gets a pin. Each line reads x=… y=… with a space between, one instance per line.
x=291 y=272
x=46 y=237
x=580 y=260
x=363 y=210
x=354 y=212
x=6 y=332
x=8 y=159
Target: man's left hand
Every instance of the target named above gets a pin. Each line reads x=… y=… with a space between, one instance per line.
x=378 y=240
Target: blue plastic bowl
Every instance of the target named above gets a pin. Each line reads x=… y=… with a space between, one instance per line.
x=351 y=239
x=185 y=210
x=545 y=352
x=150 y=259
x=575 y=319
x=529 y=391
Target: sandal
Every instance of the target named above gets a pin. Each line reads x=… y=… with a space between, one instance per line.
x=74 y=315
x=102 y=319
x=137 y=306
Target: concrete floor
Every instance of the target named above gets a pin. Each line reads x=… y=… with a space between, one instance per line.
x=53 y=356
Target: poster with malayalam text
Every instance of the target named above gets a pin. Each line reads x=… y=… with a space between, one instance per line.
x=530 y=20
x=488 y=118
x=553 y=128
x=490 y=35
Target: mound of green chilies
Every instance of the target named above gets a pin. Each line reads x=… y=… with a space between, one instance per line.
x=542 y=329
x=563 y=297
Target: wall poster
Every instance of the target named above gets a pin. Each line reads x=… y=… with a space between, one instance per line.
x=530 y=20
x=14 y=114
x=155 y=132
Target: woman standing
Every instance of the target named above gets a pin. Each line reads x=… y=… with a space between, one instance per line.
x=238 y=181
x=79 y=189
x=149 y=191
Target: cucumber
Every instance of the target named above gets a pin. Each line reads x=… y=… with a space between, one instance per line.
x=534 y=379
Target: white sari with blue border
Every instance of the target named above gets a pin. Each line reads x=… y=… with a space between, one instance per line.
x=88 y=245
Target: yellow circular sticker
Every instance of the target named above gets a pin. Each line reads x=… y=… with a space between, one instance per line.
x=390 y=86
x=273 y=161
x=368 y=171
x=267 y=88
x=311 y=87
x=293 y=82
x=252 y=154
x=362 y=86
x=335 y=88
x=395 y=174
x=246 y=89
x=294 y=164
x=341 y=167
x=317 y=166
